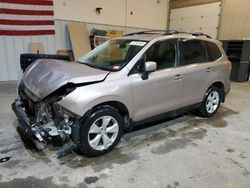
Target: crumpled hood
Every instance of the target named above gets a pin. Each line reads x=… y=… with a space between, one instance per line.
x=44 y=76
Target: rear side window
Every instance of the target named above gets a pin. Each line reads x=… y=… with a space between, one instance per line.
x=213 y=51
x=193 y=51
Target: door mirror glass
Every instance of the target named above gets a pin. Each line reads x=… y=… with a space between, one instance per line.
x=150 y=66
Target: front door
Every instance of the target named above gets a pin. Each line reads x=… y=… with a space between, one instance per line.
x=162 y=91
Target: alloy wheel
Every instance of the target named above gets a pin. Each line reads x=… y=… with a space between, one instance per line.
x=103 y=133
x=212 y=102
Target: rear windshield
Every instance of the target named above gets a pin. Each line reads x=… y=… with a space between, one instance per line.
x=113 y=55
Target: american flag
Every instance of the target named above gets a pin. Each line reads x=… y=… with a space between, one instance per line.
x=27 y=17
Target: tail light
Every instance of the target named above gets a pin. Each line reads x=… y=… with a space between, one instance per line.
x=228 y=65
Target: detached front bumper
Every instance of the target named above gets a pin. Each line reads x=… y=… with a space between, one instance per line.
x=24 y=122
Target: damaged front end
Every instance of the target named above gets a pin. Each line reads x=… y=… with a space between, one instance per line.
x=44 y=121
x=43 y=85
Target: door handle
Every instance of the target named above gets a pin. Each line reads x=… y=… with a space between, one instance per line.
x=177 y=77
x=208 y=69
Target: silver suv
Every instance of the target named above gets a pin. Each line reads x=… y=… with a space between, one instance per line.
x=137 y=78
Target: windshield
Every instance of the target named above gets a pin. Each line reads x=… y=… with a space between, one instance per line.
x=113 y=55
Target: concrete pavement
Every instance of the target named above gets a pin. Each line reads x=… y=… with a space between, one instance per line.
x=186 y=152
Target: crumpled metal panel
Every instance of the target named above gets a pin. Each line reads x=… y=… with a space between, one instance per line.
x=44 y=76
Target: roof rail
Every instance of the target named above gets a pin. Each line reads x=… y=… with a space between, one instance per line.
x=201 y=34
x=168 y=32
x=197 y=34
x=146 y=32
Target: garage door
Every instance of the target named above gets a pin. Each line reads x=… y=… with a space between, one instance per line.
x=200 y=18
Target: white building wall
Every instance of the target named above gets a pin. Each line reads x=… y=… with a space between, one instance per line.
x=235 y=20
x=12 y=46
x=200 y=18
x=150 y=14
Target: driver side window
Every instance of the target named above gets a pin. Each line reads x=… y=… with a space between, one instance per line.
x=162 y=52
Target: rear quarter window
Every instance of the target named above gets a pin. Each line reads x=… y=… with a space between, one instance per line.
x=213 y=51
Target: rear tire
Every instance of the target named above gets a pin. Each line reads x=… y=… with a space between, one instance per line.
x=101 y=132
x=210 y=103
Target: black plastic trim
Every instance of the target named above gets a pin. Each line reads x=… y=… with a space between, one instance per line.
x=24 y=122
x=168 y=32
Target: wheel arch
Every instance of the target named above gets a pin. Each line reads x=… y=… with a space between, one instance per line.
x=221 y=87
x=117 y=105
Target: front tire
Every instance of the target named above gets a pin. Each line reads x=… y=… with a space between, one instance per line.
x=210 y=103
x=101 y=132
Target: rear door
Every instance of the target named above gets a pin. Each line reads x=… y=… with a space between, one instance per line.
x=197 y=70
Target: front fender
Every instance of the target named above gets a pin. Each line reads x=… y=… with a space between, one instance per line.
x=110 y=98
x=84 y=98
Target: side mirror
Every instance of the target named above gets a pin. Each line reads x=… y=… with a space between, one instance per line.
x=150 y=66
